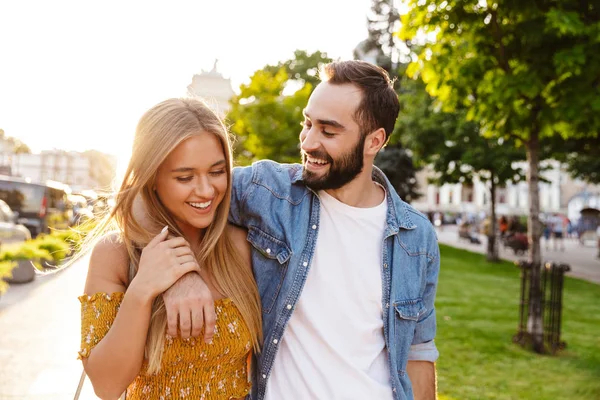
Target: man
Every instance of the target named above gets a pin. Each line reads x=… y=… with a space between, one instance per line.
x=347 y=271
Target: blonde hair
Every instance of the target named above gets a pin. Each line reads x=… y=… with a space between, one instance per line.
x=160 y=130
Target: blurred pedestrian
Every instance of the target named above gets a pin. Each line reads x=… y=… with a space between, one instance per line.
x=558 y=230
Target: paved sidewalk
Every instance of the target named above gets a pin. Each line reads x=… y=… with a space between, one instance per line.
x=39 y=338
x=582 y=259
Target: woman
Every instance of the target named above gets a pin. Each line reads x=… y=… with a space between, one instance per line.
x=181 y=169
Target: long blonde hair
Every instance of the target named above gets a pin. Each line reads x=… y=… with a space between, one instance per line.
x=160 y=130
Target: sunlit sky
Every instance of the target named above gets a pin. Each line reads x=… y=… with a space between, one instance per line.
x=77 y=75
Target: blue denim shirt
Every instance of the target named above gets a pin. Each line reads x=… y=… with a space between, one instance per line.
x=282 y=218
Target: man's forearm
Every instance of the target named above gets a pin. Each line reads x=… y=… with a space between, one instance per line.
x=423 y=379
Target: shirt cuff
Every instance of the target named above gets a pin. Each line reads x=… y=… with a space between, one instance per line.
x=423 y=352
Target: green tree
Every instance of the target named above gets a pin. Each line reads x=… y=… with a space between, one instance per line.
x=523 y=70
x=264 y=118
x=580 y=156
x=381 y=44
x=383 y=48
x=456 y=151
x=303 y=67
x=397 y=164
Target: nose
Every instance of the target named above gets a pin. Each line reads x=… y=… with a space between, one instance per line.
x=308 y=140
x=204 y=188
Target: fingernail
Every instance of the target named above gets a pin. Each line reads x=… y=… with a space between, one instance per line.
x=165 y=229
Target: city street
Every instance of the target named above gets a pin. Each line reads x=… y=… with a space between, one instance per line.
x=582 y=259
x=39 y=338
x=39 y=324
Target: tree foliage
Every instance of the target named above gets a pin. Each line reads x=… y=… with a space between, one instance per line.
x=580 y=156
x=524 y=70
x=454 y=148
x=382 y=47
x=264 y=118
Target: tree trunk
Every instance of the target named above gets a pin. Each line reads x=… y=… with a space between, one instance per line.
x=492 y=248
x=535 y=323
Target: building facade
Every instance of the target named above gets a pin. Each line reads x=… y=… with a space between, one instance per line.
x=556 y=193
x=71 y=168
x=213 y=88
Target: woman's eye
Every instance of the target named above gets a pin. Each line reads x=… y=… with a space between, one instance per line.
x=327 y=134
x=184 y=178
x=305 y=124
x=217 y=173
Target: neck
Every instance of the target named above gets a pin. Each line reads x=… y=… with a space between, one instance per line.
x=361 y=192
x=193 y=236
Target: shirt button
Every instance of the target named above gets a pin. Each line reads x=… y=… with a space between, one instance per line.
x=387 y=305
x=305 y=264
x=394 y=390
x=289 y=307
x=275 y=341
x=264 y=376
x=384 y=265
x=314 y=227
x=268 y=251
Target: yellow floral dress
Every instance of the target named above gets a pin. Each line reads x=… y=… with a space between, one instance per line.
x=190 y=369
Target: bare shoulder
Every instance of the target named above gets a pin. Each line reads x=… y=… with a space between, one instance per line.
x=238 y=237
x=109 y=265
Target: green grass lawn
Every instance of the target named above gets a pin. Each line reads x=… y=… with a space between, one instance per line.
x=477 y=314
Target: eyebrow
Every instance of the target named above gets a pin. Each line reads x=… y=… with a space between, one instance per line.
x=188 y=169
x=328 y=122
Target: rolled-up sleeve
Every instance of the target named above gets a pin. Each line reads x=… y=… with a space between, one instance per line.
x=423 y=352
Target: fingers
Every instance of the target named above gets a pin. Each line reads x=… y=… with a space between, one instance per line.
x=176 y=242
x=184 y=268
x=186 y=258
x=210 y=320
x=159 y=238
x=185 y=324
x=182 y=251
x=172 y=319
x=197 y=315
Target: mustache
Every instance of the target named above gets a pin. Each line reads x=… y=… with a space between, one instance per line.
x=320 y=154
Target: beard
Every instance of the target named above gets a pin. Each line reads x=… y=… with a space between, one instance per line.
x=341 y=171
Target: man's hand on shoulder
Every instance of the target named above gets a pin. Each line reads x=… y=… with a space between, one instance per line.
x=190 y=305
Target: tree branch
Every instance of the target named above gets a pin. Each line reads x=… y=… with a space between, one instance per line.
x=497 y=34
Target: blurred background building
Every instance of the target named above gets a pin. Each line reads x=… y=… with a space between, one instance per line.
x=558 y=194
x=213 y=88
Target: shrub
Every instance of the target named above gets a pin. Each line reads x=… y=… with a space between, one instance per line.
x=57 y=248
x=6 y=268
x=26 y=251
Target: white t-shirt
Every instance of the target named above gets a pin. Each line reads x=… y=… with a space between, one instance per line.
x=333 y=346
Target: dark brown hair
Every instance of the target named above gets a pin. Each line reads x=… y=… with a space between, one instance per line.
x=379 y=106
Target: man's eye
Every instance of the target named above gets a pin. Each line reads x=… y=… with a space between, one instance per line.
x=305 y=124
x=184 y=178
x=217 y=173
x=328 y=134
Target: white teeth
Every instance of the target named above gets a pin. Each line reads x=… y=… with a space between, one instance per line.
x=200 y=205
x=316 y=160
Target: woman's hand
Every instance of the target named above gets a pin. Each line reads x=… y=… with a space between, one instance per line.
x=162 y=263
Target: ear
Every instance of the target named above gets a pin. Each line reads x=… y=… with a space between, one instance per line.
x=374 y=142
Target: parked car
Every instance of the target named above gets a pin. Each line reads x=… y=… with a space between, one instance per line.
x=40 y=206
x=10 y=231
